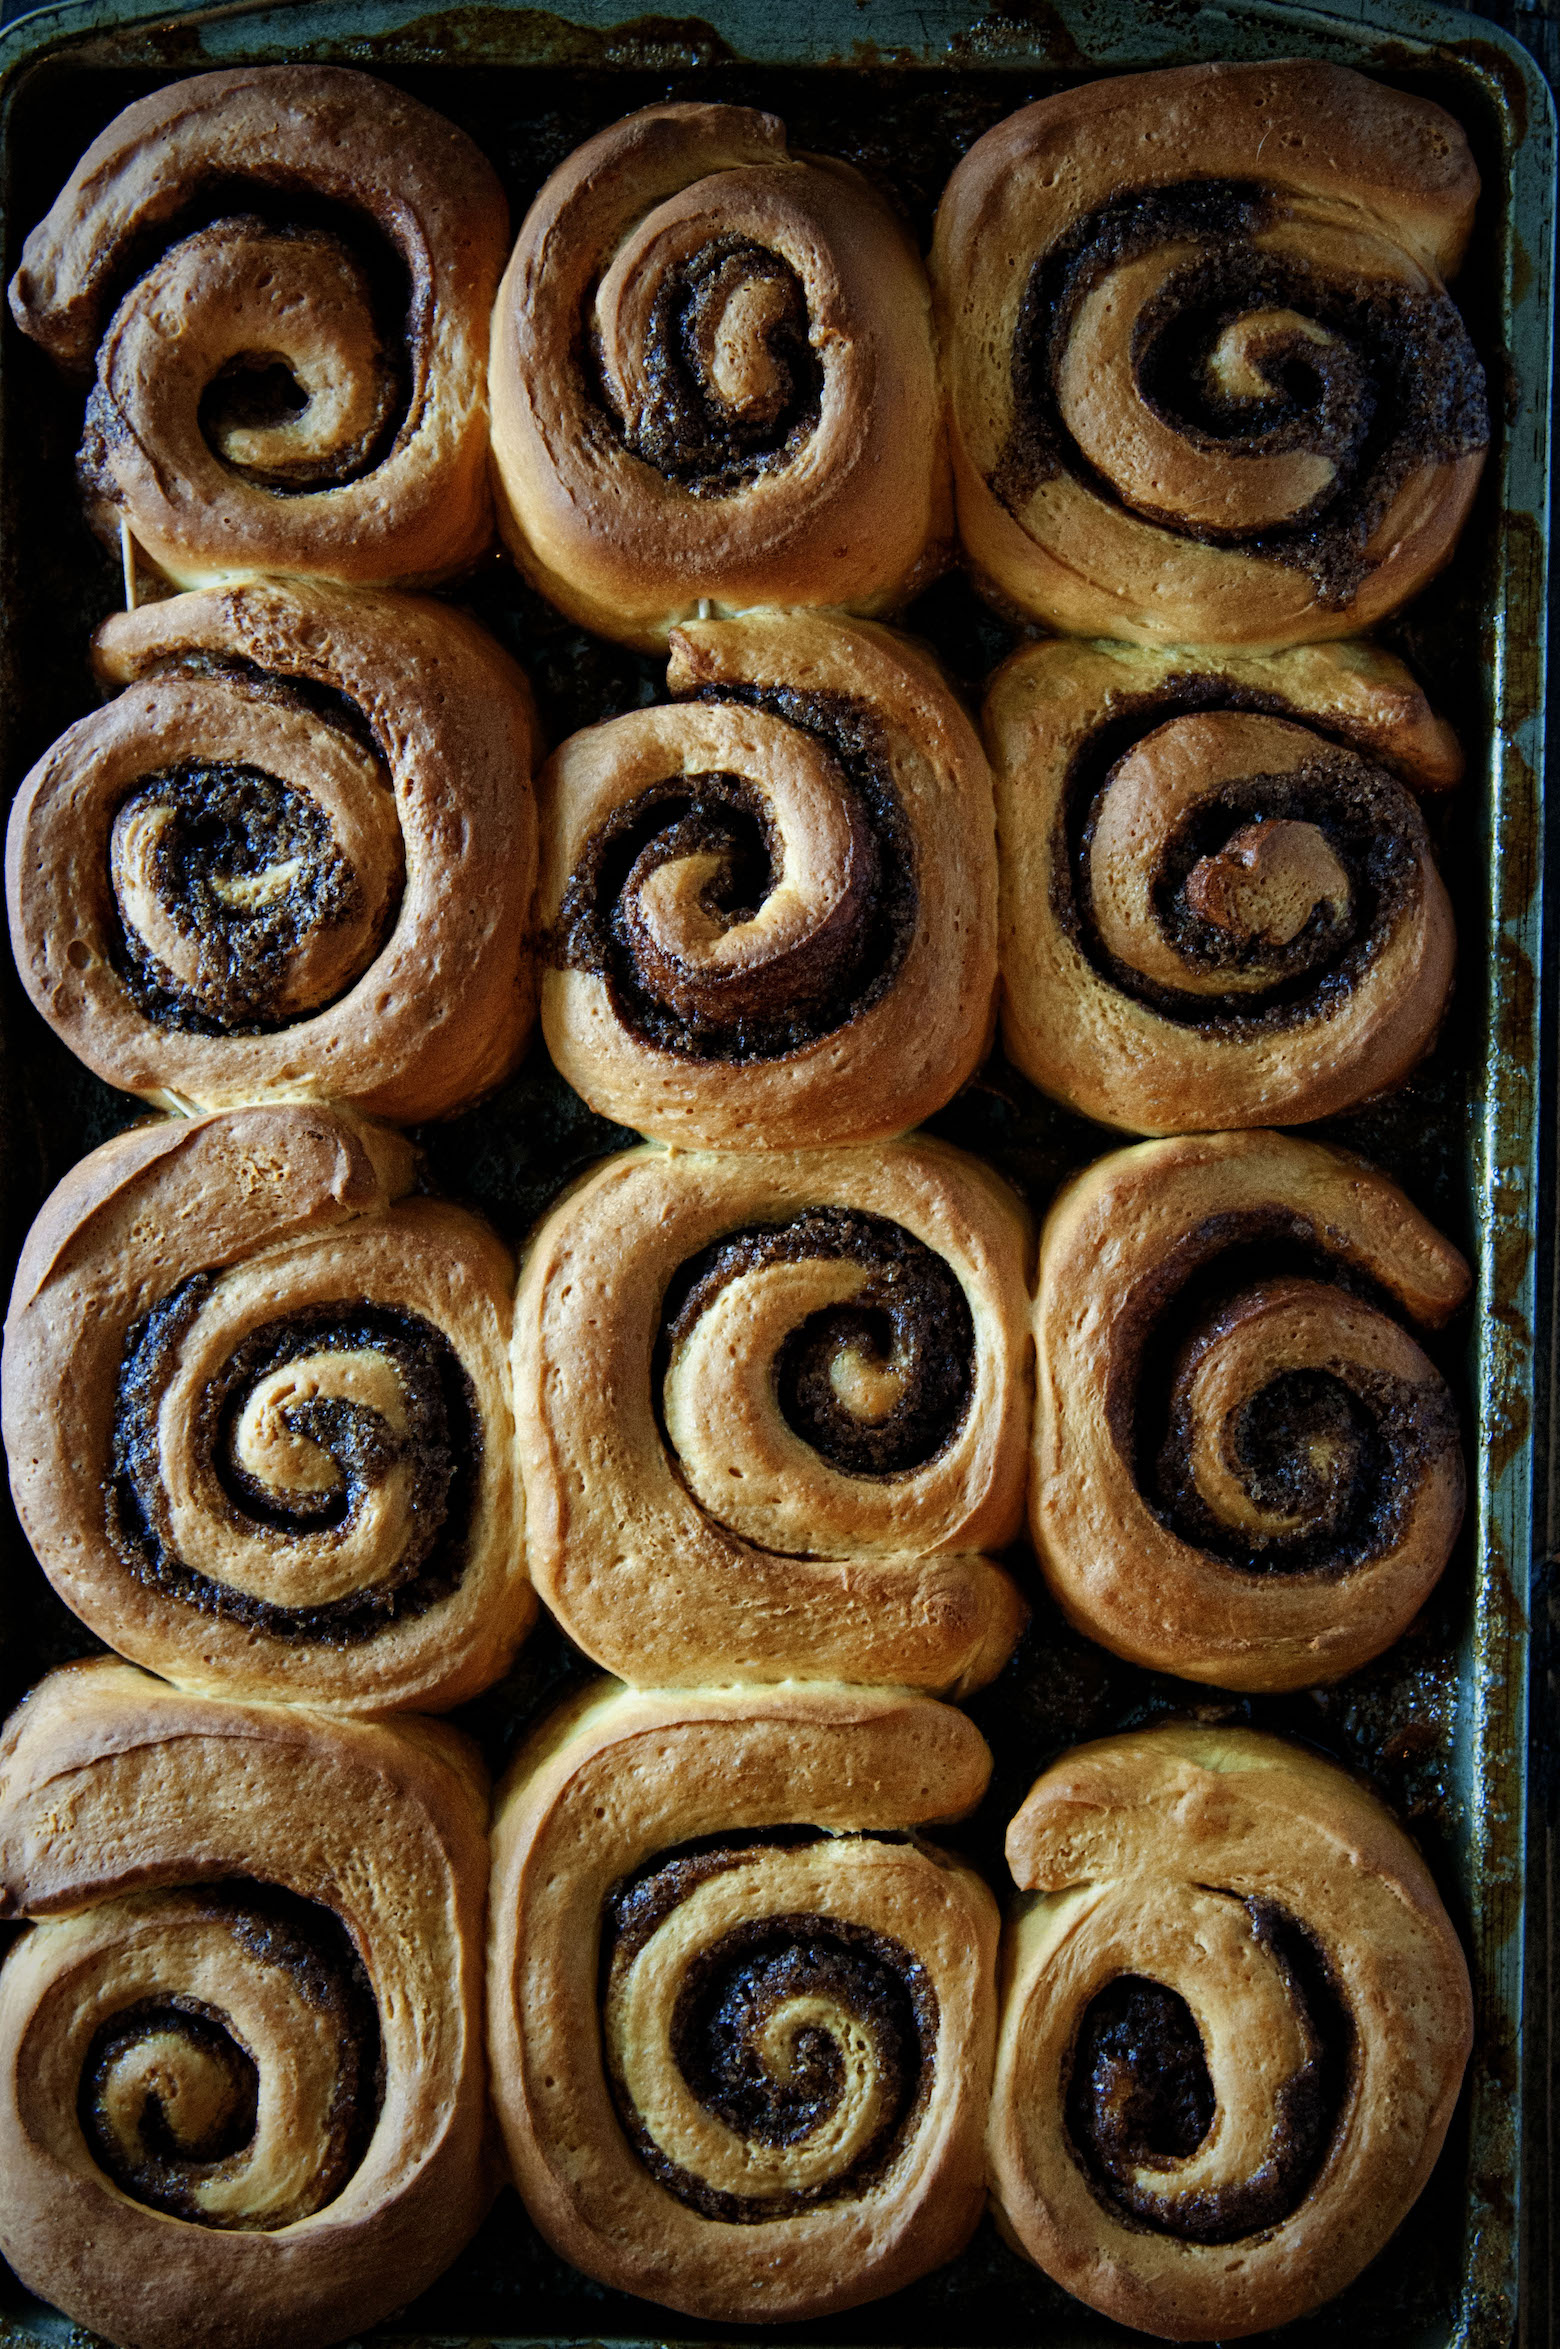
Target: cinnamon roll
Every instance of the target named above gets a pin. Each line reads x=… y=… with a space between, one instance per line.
x=295 y=380
x=1220 y=906
x=713 y=381
x=1235 y=2021
x=772 y=905
x=1246 y=1469
x=241 y=2068
x=771 y=1408
x=257 y=1408
x=1207 y=385
x=740 y=2013
x=295 y=856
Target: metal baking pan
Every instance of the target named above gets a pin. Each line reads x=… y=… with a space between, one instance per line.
x=1441 y=1723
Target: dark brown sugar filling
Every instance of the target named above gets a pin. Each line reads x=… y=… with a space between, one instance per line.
x=685 y=429
x=1348 y=1449
x=230 y=822
x=1138 y=2094
x=1400 y=387
x=798 y=997
x=442 y=1446
x=1372 y=822
x=1377 y=832
x=163 y=2163
x=729 y=1993
x=911 y=1311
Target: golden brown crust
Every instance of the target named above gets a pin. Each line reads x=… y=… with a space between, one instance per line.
x=802 y=462
x=1209 y=1559
x=1312 y=214
x=257 y=1410
x=1223 y=1865
x=857 y=997
x=1130 y=990
x=380 y=955
x=623 y=1780
x=200 y=495
x=115 y=1792
x=820 y=1493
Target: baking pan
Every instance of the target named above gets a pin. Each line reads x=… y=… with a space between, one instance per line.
x=1441 y=1723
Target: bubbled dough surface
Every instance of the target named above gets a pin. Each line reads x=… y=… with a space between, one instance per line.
x=1147 y=1819
x=111 y=1783
x=309 y=1198
x=1082 y=1038
x=903 y=1057
x=1118 y=1571
x=636 y=1572
x=618 y=1777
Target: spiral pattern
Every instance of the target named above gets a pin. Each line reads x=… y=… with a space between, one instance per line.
x=715 y=381
x=325 y=1446
x=238 y=910
x=1247 y=1470
x=1220 y=903
x=279 y=391
x=295 y=856
x=290 y=1471
x=712 y=378
x=764 y=2065
x=811 y=1378
x=778 y=2064
x=687 y=862
x=170 y=2094
x=1141 y=2099
x=769 y=907
x=878 y=1383
x=249 y=2008
x=1208 y=386
x=1235 y=2024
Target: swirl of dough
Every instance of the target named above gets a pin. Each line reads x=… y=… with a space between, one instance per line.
x=295 y=855
x=1247 y=1471
x=777 y=2069
x=764 y=2058
x=1220 y=906
x=1207 y=386
x=771 y=1408
x=243 y=2091
x=713 y=380
x=257 y=1409
x=278 y=391
x=1235 y=2023
x=771 y=907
